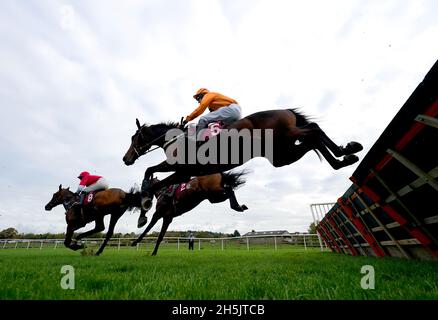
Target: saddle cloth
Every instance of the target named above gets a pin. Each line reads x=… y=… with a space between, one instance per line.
x=88 y=199
x=213 y=129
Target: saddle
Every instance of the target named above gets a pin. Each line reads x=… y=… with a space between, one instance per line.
x=213 y=129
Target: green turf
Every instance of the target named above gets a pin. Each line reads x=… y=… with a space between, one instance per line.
x=211 y=274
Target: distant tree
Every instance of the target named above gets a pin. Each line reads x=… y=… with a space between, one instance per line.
x=9 y=233
x=236 y=233
x=312 y=228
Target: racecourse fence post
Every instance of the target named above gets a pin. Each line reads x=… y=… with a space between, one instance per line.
x=28 y=244
x=178 y=243
x=56 y=244
x=16 y=244
x=305 y=245
x=138 y=245
x=4 y=244
x=199 y=244
x=275 y=243
x=222 y=244
x=41 y=246
x=247 y=243
x=118 y=247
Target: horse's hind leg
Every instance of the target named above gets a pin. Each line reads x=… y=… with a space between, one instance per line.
x=339 y=151
x=114 y=218
x=292 y=153
x=335 y=163
x=234 y=204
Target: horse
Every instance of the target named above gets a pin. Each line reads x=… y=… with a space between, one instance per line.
x=111 y=201
x=214 y=188
x=293 y=135
x=228 y=187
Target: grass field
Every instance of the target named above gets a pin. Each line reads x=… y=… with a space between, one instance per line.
x=212 y=274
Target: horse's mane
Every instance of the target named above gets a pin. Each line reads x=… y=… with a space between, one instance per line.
x=167 y=124
x=68 y=191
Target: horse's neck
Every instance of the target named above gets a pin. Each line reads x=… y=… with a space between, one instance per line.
x=160 y=131
x=68 y=195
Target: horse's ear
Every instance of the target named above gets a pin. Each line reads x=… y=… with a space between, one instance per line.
x=138 y=123
x=60 y=187
x=68 y=188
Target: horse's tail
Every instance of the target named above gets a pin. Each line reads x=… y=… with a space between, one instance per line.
x=133 y=199
x=302 y=119
x=233 y=179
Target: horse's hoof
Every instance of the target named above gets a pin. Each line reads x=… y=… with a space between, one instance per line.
x=146 y=204
x=350 y=159
x=142 y=221
x=244 y=207
x=352 y=147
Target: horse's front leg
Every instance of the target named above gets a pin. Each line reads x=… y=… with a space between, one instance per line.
x=68 y=239
x=151 y=189
x=154 y=220
x=162 y=167
x=166 y=222
x=234 y=204
x=99 y=226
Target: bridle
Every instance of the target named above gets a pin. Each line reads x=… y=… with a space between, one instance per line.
x=140 y=151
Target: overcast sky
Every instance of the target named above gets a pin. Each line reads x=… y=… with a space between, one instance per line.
x=74 y=75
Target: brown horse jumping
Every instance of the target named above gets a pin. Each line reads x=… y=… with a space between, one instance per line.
x=293 y=136
x=112 y=201
x=214 y=188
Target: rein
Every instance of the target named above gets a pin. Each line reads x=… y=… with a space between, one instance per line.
x=139 y=151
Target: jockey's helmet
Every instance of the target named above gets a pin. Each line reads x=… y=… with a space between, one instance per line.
x=83 y=174
x=200 y=93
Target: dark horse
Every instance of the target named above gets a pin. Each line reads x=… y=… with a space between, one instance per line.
x=215 y=188
x=112 y=201
x=227 y=183
x=293 y=136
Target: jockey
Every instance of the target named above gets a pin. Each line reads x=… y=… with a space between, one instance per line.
x=89 y=183
x=222 y=108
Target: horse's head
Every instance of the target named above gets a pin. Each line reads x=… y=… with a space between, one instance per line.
x=144 y=138
x=141 y=142
x=58 y=198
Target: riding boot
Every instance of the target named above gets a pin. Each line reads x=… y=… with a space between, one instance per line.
x=81 y=209
x=84 y=222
